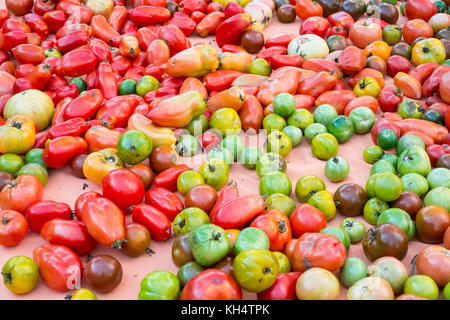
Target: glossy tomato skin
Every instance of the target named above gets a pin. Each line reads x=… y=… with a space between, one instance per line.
x=277 y=227
x=157 y=223
x=315 y=25
x=212 y=284
x=103 y=273
x=59 y=267
x=201 y=196
x=385 y=240
x=123 y=187
x=60 y=151
x=13 y=228
x=41 y=212
x=307 y=218
x=434 y=261
x=317 y=250
x=420 y=9
x=165 y=201
x=81 y=200
x=282 y=289
x=21 y=193
x=431 y=223
x=70 y=233
x=389 y=98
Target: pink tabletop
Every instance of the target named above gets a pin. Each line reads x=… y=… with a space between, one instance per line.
x=62 y=186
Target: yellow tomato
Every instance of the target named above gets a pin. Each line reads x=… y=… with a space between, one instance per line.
x=428 y=50
x=83 y=294
x=378 y=48
x=160 y=136
x=367 y=86
x=97 y=165
x=20 y=274
x=100 y=7
x=17 y=135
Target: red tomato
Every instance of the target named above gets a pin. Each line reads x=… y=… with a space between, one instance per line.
x=21 y=193
x=389 y=98
x=276 y=225
x=70 y=233
x=435 y=151
x=397 y=64
x=13 y=228
x=416 y=28
x=315 y=25
x=165 y=201
x=28 y=53
x=41 y=212
x=434 y=261
x=363 y=33
x=341 y=19
x=154 y=220
x=307 y=218
x=308 y=8
x=212 y=284
x=318 y=250
x=104 y=221
x=60 y=151
x=59 y=267
x=81 y=200
x=447 y=238
x=123 y=187
x=283 y=288
x=420 y=9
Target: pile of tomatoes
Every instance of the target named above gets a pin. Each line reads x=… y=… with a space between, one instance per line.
x=114 y=90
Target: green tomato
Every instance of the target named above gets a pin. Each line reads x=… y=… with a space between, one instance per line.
x=323 y=200
x=220 y=153
x=390 y=269
x=187 y=180
x=10 y=163
x=355 y=229
x=387 y=139
x=353 y=270
x=188 y=271
x=395 y=216
x=447 y=61
x=439 y=196
x=416 y=183
x=189 y=219
x=270 y=162
x=440 y=6
x=226 y=121
x=300 y=118
x=52 y=52
x=446 y=291
x=251 y=238
x=281 y=202
x=249 y=157
x=392 y=158
x=234 y=144
x=372 y=154
x=209 y=244
x=278 y=142
x=422 y=286
x=187 y=145
x=414 y=160
x=409 y=140
x=307 y=186
x=146 y=84
x=273 y=122
x=402 y=8
x=260 y=67
x=159 y=285
x=215 y=172
x=392 y=34
x=336 y=169
x=394 y=2
x=83 y=294
x=81 y=85
x=36 y=170
x=255 y=270
x=384 y=186
x=372 y=210
x=35 y=156
x=284 y=104
x=324 y=146
x=127 y=86
x=439 y=177
x=283 y=262
x=363 y=119
x=410 y=109
x=382 y=166
x=313 y=130
x=20 y=274
x=134 y=146
x=433 y=116
x=275 y=182
x=324 y=114
x=339 y=233
x=198 y=125
x=295 y=134
x=342 y=128
x=336 y=42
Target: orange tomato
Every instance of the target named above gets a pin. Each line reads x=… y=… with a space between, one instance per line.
x=97 y=164
x=363 y=33
x=378 y=48
x=410 y=86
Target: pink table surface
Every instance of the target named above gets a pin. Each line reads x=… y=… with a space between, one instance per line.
x=62 y=186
